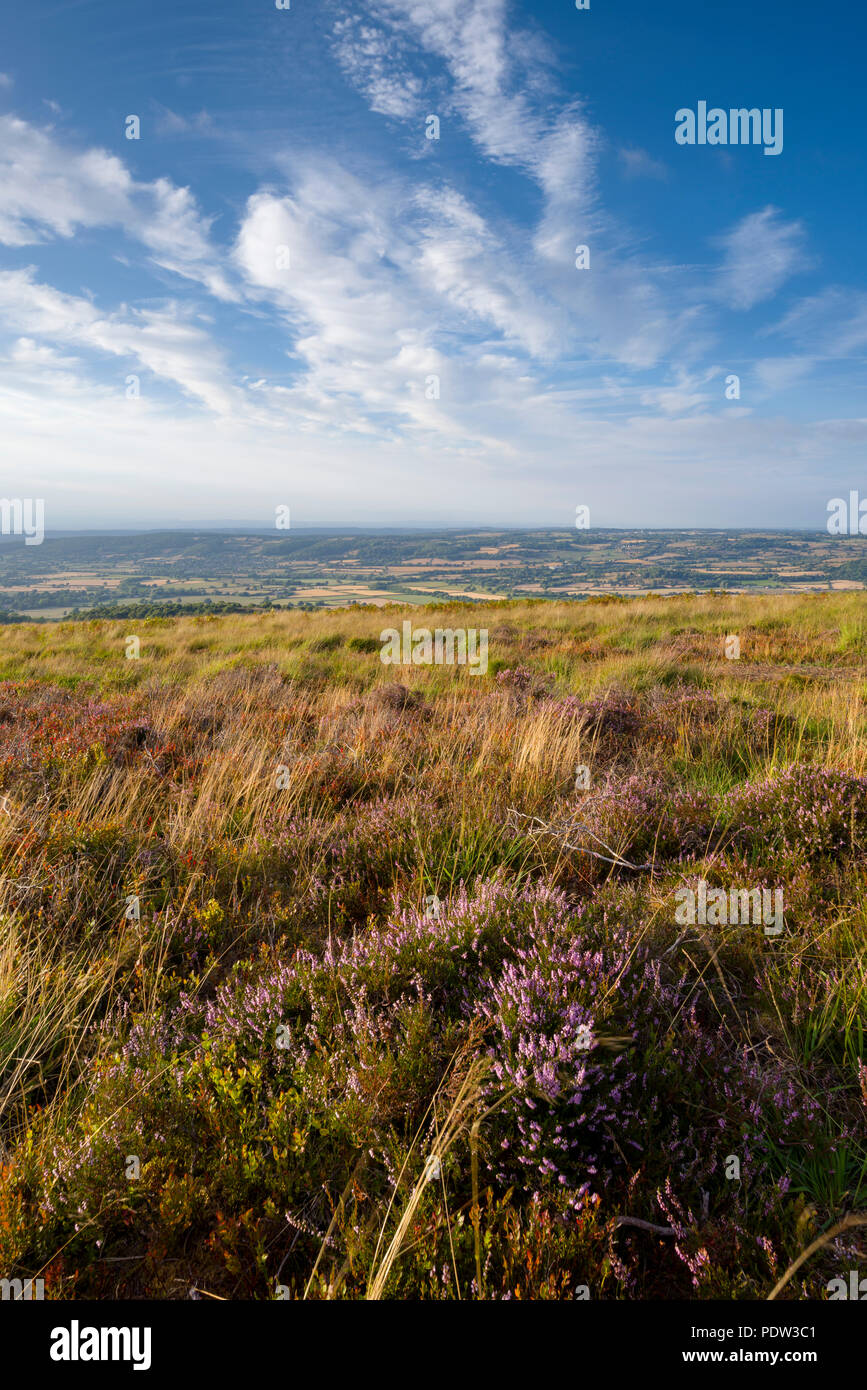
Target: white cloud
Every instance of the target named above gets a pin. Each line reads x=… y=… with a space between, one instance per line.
x=463 y=261
x=689 y=393
x=48 y=189
x=498 y=79
x=365 y=296
x=832 y=324
x=637 y=163
x=776 y=374
x=170 y=123
x=27 y=352
x=760 y=254
x=162 y=341
x=367 y=57
x=99 y=459
x=494 y=71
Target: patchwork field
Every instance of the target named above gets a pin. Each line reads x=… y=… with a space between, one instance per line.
x=135 y=573
x=326 y=979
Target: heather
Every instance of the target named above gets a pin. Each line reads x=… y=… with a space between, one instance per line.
x=331 y=979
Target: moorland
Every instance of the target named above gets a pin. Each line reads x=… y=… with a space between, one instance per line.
x=326 y=979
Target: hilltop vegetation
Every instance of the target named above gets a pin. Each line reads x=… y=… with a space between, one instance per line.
x=328 y=979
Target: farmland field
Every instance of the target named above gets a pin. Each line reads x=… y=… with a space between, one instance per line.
x=135 y=572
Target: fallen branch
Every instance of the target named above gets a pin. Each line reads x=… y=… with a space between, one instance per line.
x=644 y=1225
x=618 y=861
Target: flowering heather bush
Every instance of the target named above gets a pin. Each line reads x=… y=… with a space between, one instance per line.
x=611 y=720
x=521 y=684
x=54 y=733
x=646 y=816
x=295 y=1065
x=809 y=810
x=565 y=1092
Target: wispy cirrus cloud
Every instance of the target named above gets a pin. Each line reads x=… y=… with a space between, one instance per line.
x=368 y=59
x=831 y=324
x=638 y=164
x=493 y=76
x=759 y=255
x=497 y=79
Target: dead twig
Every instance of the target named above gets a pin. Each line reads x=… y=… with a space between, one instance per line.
x=644 y=1225
x=618 y=861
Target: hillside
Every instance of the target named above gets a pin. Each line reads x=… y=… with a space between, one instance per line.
x=326 y=978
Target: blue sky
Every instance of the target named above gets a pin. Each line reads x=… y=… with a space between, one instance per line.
x=320 y=307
